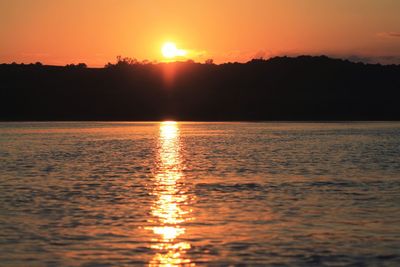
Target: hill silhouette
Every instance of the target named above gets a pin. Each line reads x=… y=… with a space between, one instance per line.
x=281 y=88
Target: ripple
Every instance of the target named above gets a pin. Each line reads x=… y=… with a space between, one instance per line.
x=275 y=194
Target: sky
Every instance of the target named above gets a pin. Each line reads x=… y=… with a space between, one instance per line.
x=96 y=31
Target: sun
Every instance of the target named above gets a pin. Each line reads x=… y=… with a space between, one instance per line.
x=169 y=50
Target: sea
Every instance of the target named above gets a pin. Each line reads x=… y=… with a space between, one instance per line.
x=199 y=194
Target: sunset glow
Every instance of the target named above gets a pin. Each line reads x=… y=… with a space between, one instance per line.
x=72 y=31
x=169 y=50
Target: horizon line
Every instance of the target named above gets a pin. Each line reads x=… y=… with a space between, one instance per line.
x=133 y=61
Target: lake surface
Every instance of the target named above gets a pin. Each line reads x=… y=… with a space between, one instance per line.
x=167 y=194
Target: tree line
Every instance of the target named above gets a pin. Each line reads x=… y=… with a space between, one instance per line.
x=280 y=88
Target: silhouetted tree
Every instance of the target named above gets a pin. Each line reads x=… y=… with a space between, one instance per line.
x=109 y=65
x=77 y=66
x=209 y=61
x=126 y=61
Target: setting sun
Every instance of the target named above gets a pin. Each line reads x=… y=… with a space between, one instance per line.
x=169 y=50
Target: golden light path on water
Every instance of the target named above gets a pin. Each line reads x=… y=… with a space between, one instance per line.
x=170 y=209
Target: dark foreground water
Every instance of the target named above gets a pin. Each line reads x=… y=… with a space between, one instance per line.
x=166 y=194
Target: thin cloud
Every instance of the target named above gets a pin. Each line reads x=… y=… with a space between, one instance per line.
x=388 y=34
x=384 y=60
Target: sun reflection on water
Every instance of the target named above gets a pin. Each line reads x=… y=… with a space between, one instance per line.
x=170 y=209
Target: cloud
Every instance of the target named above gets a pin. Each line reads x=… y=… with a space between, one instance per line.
x=384 y=60
x=394 y=34
x=388 y=34
x=358 y=59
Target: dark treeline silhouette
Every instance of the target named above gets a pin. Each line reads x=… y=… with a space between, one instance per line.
x=281 y=88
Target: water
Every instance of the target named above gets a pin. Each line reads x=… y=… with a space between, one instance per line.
x=166 y=194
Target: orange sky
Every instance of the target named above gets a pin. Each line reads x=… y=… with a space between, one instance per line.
x=96 y=31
